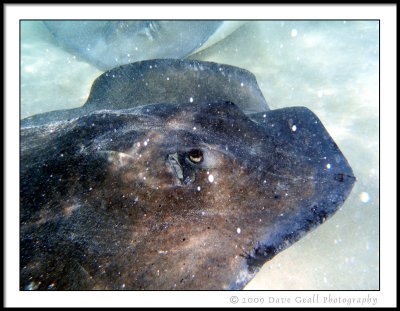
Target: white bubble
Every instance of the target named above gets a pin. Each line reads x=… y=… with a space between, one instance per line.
x=145 y=143
x=294 y=128
x=210 y=178
x=238 y=230
x=372 y=171
x=241 y=84
x=198 y=188
x=191 y=99
x=29 y=69
x=328 y=166
x=293 y=33
x=194 y=128
x=364 y=197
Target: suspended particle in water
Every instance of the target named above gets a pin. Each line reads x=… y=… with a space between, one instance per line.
x=364 y=197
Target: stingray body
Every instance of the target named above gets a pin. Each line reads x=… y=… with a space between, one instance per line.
x=107 y=44
x=190 y=195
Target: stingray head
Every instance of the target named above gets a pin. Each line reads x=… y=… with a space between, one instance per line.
x=215 y=193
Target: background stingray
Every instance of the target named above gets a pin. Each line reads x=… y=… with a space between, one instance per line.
x=108 y=44
x=157 y=197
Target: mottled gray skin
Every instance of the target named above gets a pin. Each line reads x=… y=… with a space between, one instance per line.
x=108 y=44
x=165 y=81
x=124 y=198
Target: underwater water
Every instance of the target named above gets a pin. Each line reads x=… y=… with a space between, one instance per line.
x=330 y=67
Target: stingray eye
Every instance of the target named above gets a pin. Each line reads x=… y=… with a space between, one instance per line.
x=195 y=156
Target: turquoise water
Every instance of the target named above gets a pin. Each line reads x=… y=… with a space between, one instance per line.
x=331 y=67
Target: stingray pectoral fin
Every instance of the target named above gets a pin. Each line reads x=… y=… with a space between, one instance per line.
x=160 y=81
x=313 y=180
x=52 y=117
x=175 y=82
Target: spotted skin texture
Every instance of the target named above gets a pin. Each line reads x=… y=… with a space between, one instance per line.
x=103 y=207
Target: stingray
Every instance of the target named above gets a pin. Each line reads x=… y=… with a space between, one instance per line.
x=166 y=81
x=107 y=44
x=145 y=189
